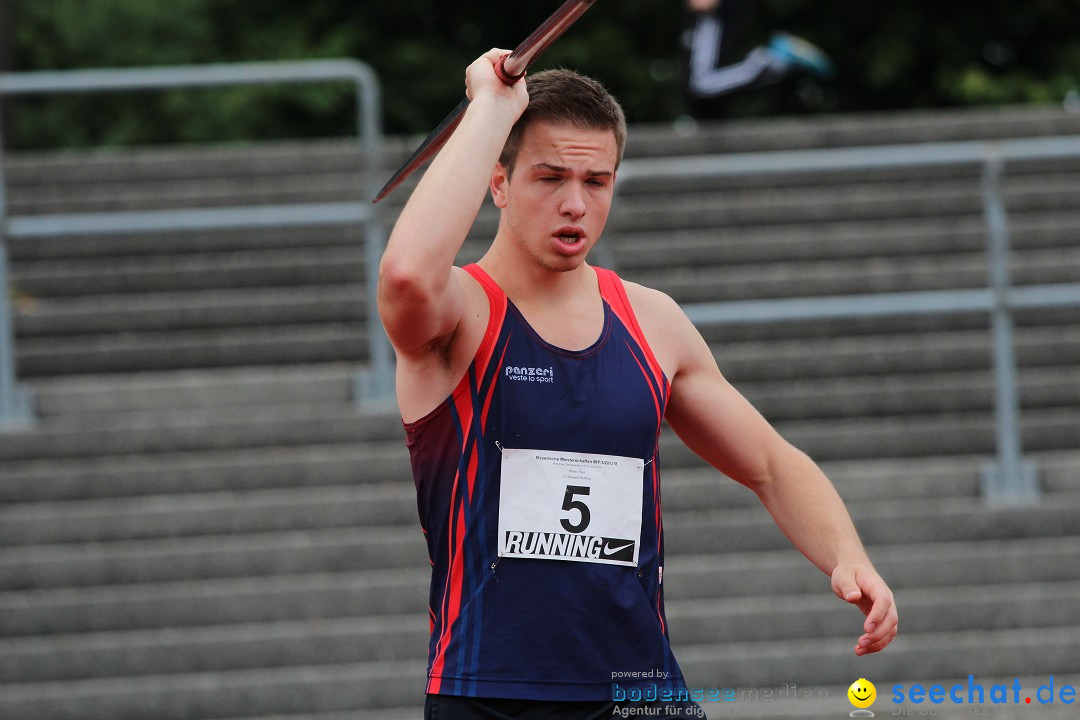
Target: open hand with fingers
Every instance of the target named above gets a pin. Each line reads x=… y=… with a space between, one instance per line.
x=860 y=585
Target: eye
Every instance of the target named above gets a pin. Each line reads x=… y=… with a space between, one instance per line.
x=595 y=183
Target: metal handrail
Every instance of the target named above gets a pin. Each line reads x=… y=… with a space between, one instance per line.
x=1011 y=479
x=373 y=387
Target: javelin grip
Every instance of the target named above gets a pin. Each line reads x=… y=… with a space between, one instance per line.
x=518 y=62
x=500 y=70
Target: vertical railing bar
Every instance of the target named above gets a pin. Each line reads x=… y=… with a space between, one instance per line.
x=1009 y=481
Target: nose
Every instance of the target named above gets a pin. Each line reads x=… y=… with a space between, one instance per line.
x=573 y=201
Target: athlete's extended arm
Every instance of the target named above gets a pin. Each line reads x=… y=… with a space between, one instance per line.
x=721 y=426
x=419 y=299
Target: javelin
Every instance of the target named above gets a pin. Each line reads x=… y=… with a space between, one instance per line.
x=510 y=69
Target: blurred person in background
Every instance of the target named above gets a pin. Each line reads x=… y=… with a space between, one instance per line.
x=712 y=69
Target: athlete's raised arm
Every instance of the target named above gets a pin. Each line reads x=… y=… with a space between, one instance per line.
x=419 y=299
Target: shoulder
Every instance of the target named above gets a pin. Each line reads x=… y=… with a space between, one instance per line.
x=669 y=332
x=649 y=300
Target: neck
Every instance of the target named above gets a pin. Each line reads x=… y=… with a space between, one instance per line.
x=526 y=281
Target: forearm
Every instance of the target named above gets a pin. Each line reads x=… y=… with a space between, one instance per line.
x=807 y=508
x=442 y=209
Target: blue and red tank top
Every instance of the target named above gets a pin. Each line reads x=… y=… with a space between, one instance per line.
x=542 y=629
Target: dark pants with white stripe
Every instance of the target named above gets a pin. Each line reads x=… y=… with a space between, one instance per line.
x=712 y=66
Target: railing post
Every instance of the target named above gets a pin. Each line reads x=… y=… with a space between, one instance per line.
x=373 y=387
x=1010 y=480
x=15 y=402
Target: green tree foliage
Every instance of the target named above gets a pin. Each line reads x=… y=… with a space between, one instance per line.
x=889 y=56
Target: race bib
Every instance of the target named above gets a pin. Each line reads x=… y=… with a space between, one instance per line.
x=570 y=506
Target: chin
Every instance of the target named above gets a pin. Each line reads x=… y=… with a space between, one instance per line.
x=563 y=263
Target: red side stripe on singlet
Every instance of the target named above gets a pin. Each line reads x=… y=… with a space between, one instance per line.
x=463 y=403
x=497 y=304
x=612 y=290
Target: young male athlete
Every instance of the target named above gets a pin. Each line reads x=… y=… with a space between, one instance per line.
x=532 y=387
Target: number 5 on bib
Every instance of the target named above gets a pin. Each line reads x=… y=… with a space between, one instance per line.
x=579 y=507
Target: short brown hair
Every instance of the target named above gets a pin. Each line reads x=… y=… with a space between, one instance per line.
x=565 y=97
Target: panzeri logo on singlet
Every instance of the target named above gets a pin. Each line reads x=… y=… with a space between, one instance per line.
x=564 y=545
x=530 y=374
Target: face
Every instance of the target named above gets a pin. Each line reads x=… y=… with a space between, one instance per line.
x=556 y=202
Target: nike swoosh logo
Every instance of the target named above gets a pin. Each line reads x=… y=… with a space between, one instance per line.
x=608 y=550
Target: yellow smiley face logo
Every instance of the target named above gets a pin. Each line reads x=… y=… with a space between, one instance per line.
x=862 y=693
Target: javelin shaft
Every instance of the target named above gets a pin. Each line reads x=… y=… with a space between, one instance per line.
x=510 y=69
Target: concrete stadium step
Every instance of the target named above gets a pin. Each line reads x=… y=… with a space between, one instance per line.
x=313 y=595
x=288 y=267
x=347 y=342
x=404 y=637
x=223 y=347
x=883 y=353
x=849 y=129
x=344 y=303
x=30 y=169
x=929 y=563
x=221 y=513
x=246 y=646
x=874 y=480
x=916 y=656
x=638 y=181
x=708 y=282
x=883 y=523
x=221 y=601
x=885 y=180
x=193 y=310
x=913 y=433
x=234 y=469
x=822 y=614
x=230 y=511
x=205 y=695
x=307 y=689
x=690 y=577
x=349 y=463
x=908 y=394
x=204 y=557
x=201 y=309
x=918 y=237
x=221 y=387
x=202 y=192
x=395 y=546
x=718 y=283
x=809 y=205
x=909 y=435
x=197 y=429
x=215 y=245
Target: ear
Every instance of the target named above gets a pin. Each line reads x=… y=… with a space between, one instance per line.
x=500 y=178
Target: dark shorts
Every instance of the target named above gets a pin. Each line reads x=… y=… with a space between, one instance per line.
x=451 y=707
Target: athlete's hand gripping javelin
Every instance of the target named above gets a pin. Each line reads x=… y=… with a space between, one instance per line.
x=482 y=80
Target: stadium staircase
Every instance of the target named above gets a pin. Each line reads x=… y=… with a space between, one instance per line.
x=202 y=526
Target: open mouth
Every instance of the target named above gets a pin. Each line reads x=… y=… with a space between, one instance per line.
x=570 y=236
